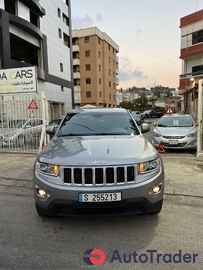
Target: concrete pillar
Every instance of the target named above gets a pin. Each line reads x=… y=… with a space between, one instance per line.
x=199 y=121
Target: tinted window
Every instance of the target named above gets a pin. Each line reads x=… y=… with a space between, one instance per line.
x=176 y=122
x=98 y=123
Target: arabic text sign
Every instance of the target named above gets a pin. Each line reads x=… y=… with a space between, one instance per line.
x=18 y=80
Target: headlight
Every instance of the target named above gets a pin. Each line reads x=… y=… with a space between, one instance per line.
x=51 y=169
x=192 y=135
x=149 y=166
x=155 y=134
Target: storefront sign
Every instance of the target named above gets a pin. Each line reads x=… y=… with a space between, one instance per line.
x=18 y=80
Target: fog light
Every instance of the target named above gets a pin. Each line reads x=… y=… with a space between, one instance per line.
x=156 y=189
x=42 y=192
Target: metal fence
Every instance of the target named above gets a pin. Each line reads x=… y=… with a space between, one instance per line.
x=23 y=118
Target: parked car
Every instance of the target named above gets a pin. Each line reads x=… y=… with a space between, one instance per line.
x=157 y=113
x=146 y=114
x=137 y=118
x=55 y=123
x=175 y=131
x=98 y=163
x=19 y=132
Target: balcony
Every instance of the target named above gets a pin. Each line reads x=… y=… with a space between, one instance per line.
x=77 y=88
x=117 y=59
x=192 y=75
x=77 y=96
x=76 y=75
x=117 y=81
x=75 y=48
x=76 y=62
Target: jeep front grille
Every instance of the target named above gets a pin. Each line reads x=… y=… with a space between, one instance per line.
x=99 y=176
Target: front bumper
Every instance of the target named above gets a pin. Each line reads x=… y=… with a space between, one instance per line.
x=185 y=143
x=64 y=200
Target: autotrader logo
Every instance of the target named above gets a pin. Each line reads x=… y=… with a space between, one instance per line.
x=95 y=256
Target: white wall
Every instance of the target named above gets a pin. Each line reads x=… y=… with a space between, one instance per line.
x=57 y=51
x=186 y=36
x=23 y=11
x=53 y=92
x=2 y=4
x=192 y=63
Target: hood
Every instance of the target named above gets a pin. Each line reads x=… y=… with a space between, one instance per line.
x=91 y=150
x=174 y=131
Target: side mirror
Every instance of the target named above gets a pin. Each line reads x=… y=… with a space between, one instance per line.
x=145 y=127
x=154 y=123
x=51 y=130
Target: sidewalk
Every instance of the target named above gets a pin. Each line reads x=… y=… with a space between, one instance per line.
x=183 y=175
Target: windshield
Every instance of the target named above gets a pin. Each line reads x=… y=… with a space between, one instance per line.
x=176 y=122
x=98 y=123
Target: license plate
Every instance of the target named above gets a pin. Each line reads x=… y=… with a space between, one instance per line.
x=99 y=197
x=174 y=142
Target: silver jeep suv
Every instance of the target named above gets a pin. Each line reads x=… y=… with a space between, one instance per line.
x=98 y=163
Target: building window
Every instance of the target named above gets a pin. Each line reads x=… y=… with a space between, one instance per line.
x=109 y=84
x=113 y=74
x=113 y=62
x=100 y=94
x=65 y=19
x=62 y=89
x=197 y=70
x=99 y=80
x=61 y=67
x=87 y=67
x=99 y=40
x=59 y=13
x=114 y=97
x=87 y=53
x=60 y=33
x=109 y=72
x=99 y=67
x=88 y=80
x=99 y=54
x=197 y=37
x=109 y=47
x=114 y=85
x=86 y=39
x=88 y=94
x=66 y=40
x=109 y=96
x=109 y=59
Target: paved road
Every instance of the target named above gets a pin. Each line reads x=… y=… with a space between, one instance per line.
x=29 y=242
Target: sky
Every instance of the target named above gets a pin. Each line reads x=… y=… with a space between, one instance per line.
x=147 y=33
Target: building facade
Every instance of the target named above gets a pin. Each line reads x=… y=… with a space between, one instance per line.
x=191 y=53
x=95 y=68
x=38 y=34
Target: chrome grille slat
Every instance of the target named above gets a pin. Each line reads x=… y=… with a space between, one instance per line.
x=93 y=176
x=97 y=176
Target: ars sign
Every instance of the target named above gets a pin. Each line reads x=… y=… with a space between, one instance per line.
x=18 y=80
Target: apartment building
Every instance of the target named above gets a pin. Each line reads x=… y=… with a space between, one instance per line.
x=95 y=68
x=191 y=53
x=38 y=34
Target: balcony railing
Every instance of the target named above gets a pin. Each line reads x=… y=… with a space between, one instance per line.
x=75 y=48
x=191 y=74
x=76 y=62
